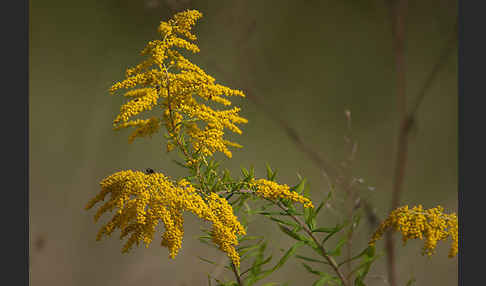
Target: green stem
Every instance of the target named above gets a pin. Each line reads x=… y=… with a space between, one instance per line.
x=235 y=271
x=329 y=259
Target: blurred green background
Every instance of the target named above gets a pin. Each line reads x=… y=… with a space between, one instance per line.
x=307 y=61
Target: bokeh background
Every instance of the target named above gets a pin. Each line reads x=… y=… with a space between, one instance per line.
x=305 y=61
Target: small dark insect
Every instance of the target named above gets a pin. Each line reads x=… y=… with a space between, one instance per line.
x=149 y=171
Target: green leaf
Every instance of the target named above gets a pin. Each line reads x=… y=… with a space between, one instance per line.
x=308 y=217
x=310 y=259
x=370 y=251
x=296 y=228
x=226 y=175
x=411 y=281
x=292 y=234
x=310 y=270
x=206 y=260
x=364 y=252
x=252 y=172
x=332 y=230
x=245 y=249
x=208 y=232
x=255 y=268
x=269 y=172
x=337 y=250
x=318 y=209
x=321 y=281
x=181 y=164
x=324 y=201
x=265 y=261
x=325 y=229
x=287 y=255
x=291 y=210
x=336 y=229
x=249 y=237
x=249 y=254
x=290 y=252
x=359 y=282
x=265 y=213
x=272 y=178
x=289 y=223
x=183 y=141
x=245 y=172
x=299 y=188
x=208 y=243
x=363 y=269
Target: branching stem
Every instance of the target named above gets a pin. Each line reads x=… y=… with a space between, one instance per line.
x=324 y=253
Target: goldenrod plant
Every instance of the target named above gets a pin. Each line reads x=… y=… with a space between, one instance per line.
x=195 y=112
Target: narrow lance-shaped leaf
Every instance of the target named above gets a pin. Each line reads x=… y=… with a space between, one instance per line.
x=290 y=252
x=206 y=260
x=299 y=188
x=311 y=270
x=411 y=281
x=255 y=269
x=292 y=234
x=289 y=223
x=323 y=280
x=245 y=172
x=337 y=250
x=269 y=172
x=310 y=259
x=364 y=252
x=363 y=269
x=252 y=172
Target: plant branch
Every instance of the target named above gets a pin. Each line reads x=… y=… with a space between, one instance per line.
x=329 y=259
x=446 y=52
x=235 y=271
x=304 y=226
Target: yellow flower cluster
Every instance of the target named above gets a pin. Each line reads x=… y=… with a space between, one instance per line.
x=430 y=225
x=271 y=190
x=143 y=200
x=169 y=81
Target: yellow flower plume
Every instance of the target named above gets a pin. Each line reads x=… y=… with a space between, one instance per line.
x=271 y=190
x=141 y=201
x=430 y=225
x=169 y=82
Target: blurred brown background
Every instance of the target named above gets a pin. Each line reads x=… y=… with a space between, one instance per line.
x=306 y=61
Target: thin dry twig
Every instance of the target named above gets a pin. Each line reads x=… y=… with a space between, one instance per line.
x=445 y=54
x=398 y=10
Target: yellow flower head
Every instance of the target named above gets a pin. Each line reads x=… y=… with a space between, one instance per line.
x=141 y=201
x=169 y=82
x=271 y=190
x=431 y=225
